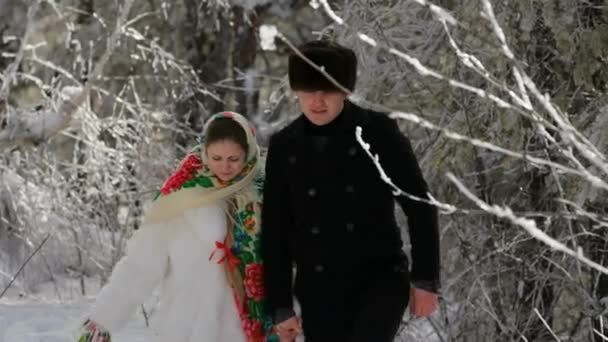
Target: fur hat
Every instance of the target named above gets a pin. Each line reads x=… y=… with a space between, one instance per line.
x=338 y=61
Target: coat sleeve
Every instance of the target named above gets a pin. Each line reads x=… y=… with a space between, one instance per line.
x=405 y=172
x=133 y=279
x=276 y=221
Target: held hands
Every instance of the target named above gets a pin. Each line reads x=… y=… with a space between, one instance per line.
x=290 y=329
x=93 y=332
x=422 y=303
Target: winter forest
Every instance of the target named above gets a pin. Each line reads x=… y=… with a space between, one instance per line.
x=505 y=103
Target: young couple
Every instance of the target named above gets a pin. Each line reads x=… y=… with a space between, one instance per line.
x=225 y=262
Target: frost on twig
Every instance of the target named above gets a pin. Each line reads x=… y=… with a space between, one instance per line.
x=447 y=208
x=33 y=127
x=527 y=224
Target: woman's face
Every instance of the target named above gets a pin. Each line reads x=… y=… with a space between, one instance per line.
x=226 y=159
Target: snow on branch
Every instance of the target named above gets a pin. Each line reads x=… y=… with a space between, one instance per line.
x=602 y=221
x=602 y=336
x=567 y=130
x=11 y=70
x=487 y=6
x=522 y=105
x=475 y=64
x=32 y=128
x=441 y=13
x=331 y=12
x=268 y=33
x=596 y=181
x=546 y=324
x=426 y=71
x=448 y=208
x=527 y=224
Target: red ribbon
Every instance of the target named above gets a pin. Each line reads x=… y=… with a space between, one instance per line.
x=228 y=256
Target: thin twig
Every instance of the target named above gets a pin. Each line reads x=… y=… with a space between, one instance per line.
x=24 y=264
x=546 y=324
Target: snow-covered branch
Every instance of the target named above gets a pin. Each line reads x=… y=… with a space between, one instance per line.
x=9 y=75
x=449 y=209
x=567 y=130
x=596 y=181
x=527 y=224
x=32 y=128
x=521 y=105
x=468 y=86
x=427 y=71
x=542 y=319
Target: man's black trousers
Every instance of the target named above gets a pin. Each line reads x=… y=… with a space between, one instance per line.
x=366 y=307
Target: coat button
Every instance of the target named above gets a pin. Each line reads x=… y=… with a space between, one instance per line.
x=352 y=151
x=319 y=268
x=350 y=189
x=315 y=230
x=312 y=192
x=350 y=227
x=292 y=160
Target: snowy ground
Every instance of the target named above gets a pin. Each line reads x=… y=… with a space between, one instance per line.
x=53 y=311
x=47 y=322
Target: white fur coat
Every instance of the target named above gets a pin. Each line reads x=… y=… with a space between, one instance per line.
x=196 y=301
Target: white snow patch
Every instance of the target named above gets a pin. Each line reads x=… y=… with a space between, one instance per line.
x=47 y=322
x=268 y=33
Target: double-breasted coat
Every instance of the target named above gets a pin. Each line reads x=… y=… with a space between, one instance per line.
x=327 y=210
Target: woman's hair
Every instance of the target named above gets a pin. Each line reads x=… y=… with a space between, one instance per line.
x=226 y=129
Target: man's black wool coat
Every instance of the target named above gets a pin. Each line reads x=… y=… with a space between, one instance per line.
x=327 y=210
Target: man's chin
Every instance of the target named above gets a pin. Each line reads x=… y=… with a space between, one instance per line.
x=319 y=120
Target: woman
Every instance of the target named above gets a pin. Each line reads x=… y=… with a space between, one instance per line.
x=207 y=213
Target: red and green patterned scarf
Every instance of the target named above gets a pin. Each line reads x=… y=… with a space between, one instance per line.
x=246 y=205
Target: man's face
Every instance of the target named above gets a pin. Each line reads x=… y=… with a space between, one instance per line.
x=321 y=107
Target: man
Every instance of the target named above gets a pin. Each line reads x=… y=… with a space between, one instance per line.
x=327 y=210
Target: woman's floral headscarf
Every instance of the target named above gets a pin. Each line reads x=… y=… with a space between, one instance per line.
x=193 y=185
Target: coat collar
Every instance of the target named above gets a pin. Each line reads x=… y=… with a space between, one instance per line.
x=353 y=116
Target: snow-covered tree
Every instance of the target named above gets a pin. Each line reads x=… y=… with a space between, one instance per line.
x=505 y=103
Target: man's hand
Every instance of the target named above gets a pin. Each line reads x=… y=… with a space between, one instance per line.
x=290 y=329
x=422 y=303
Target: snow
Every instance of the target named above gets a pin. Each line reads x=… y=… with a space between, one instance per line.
x=249 y=4
x=368 y=39
x=267 y=35
x=331 y=13
x=314 y=4
x=527 y=224
x=53 y=312
x=55 y=322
